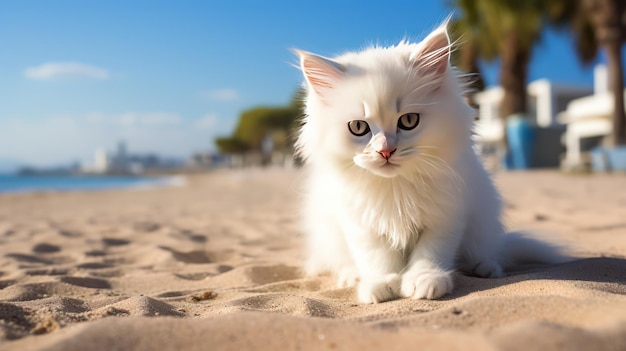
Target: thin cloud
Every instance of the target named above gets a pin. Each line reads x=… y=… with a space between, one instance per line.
x=56 y=70
x=221 y=94
x=67 y=138
x=136 y=119
x=209 y=121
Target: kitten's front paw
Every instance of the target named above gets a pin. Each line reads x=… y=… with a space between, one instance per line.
x=488 y=269
x=380 y=289
x=426 y=284
x=347 y=277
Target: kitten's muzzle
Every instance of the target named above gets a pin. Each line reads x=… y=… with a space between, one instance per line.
x=386 y=153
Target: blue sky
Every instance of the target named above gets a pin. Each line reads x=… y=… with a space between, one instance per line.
x=169 y=76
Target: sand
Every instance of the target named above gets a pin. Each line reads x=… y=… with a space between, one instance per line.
x=216 y=264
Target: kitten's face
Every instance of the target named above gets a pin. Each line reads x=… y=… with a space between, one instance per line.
x=386 y=147
x=391 y=111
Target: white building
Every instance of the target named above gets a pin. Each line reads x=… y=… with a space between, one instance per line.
x=545 y=100
x=120 y=161
x=586 y=118
x=101 y=161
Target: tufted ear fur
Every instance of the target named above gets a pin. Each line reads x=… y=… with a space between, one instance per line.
x=321 y=73
x=433 y=53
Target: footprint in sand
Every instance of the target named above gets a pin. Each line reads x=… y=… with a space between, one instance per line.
x=172 y=294
x=21 y=320
x=47 y=271
x=253 y=242
x=36 y=260
x=46 y=248
x=189 y=235
x=194 y=276
x=284 y=303
x=115 y=242
x=146 y=227
x=5 y=283
x=9 y=232
x=28 y=258
x=94 y=265
x=95 y=253
x=198 y=238
x=61 y=303
x=198 y=256
x=85 y=282
x=70 y=233
x=224 y=268
x=256 y=276
x=271 y=274
x=107 y=273
x=142 y=306
x=37 y=291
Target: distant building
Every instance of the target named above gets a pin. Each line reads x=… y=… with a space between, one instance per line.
x=101 y=161
x=589 y=120
x=545 y=100
x=200 y=160
x=123 y=162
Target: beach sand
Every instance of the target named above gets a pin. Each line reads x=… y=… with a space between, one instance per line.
x=216 y=265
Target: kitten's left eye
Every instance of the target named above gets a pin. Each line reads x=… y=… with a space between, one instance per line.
x=358 y=128
x=408 y=121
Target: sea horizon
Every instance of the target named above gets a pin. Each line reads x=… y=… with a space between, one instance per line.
x=18 y=183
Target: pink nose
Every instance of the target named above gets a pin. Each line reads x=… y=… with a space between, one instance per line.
x=386 y=153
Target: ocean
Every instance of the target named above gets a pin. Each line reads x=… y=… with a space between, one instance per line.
x=10 y=183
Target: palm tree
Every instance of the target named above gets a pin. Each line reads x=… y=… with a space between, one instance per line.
x=507 y=29
x=608 y=19
x=512 y=27
x=472 y=43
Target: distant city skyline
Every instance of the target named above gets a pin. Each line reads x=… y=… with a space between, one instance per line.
x=169 y=77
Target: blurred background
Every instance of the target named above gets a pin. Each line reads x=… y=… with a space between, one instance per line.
x=149 y=87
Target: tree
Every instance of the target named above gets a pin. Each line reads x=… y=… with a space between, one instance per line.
x=601 y=24
x=472 y=42
x=231 y=145
x=260 y=122
x=608 y=18
x=509 y=30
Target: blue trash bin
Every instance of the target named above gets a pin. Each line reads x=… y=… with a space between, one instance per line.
x=599 y=160
x=520 y=136
x=617 y=158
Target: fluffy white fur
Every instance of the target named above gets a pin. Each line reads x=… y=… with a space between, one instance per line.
x=395 y=222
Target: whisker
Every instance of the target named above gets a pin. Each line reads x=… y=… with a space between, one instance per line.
x=431 y=82
x=425 y=104
x=443 y=167
x=447 y=166
x=425 y=147
x=405 y=151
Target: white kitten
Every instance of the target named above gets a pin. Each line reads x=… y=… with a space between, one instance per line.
x=397 y=198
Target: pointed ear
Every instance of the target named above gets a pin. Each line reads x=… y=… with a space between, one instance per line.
x=433 y=53
x=321 y=73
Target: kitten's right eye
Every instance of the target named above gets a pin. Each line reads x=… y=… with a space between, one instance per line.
x=408 y=121
x=358 y=128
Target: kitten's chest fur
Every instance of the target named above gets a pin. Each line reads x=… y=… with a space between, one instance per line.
x=398 y=208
